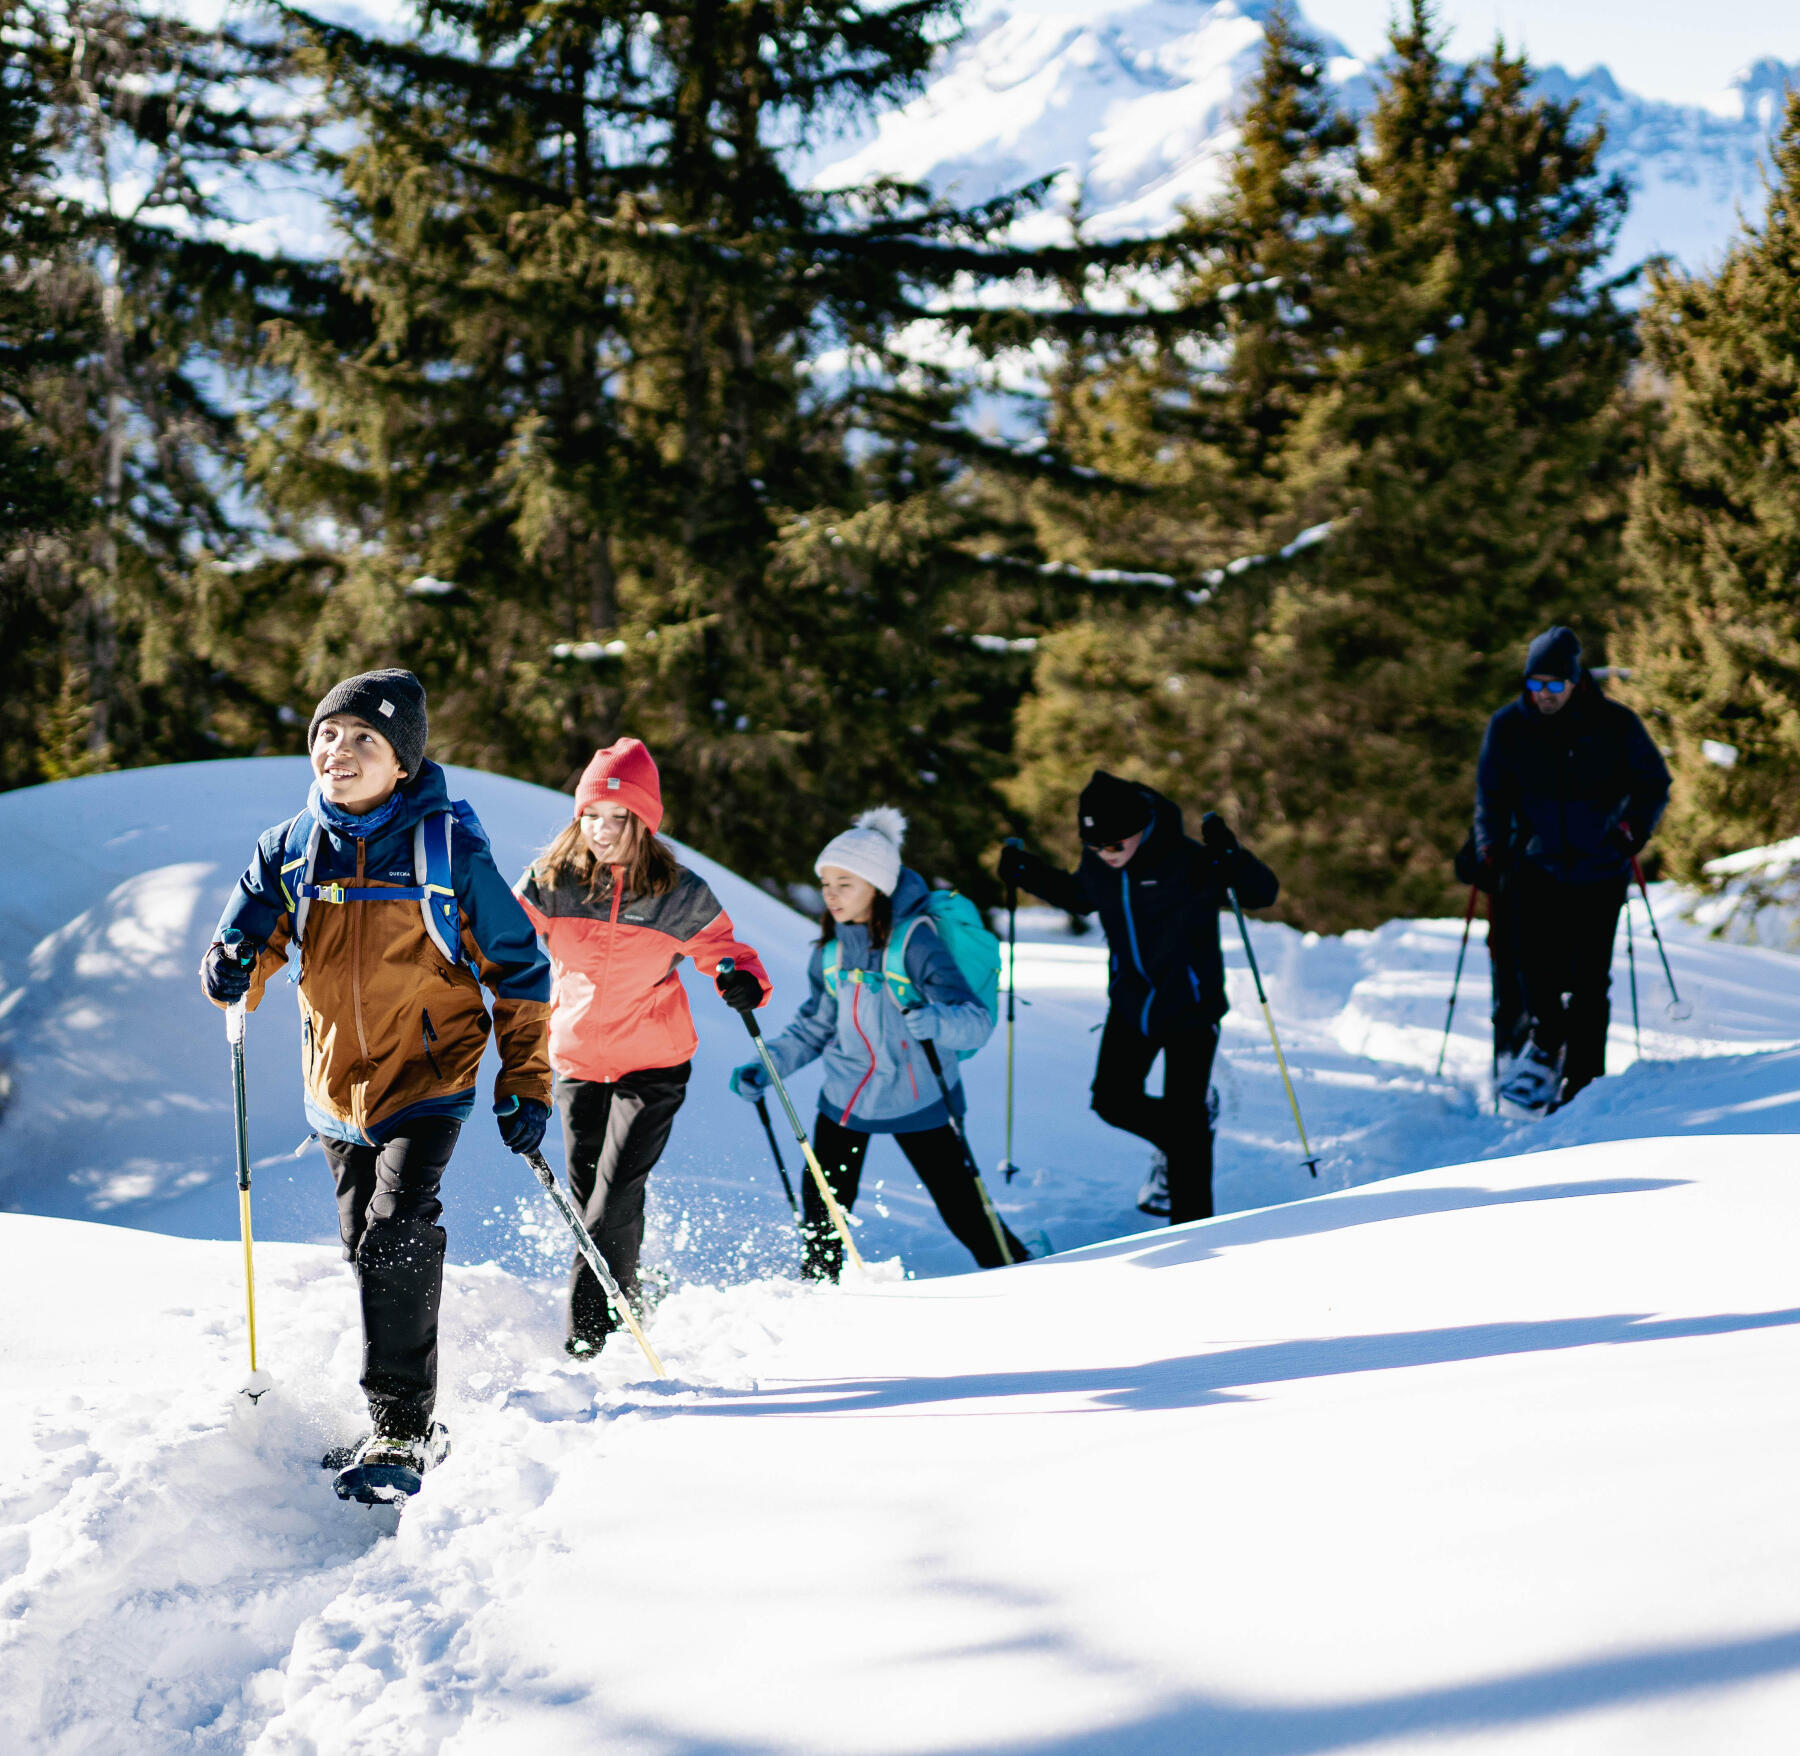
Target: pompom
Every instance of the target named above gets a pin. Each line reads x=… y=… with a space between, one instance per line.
x=885 y=820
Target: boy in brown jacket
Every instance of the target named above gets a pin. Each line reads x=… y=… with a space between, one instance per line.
x=390 y=893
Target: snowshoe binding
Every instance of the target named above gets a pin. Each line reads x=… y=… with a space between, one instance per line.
x=386 y=1471
x=1153 y=1197
x=1530 y=1089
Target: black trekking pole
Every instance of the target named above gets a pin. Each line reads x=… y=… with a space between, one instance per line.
x=1456 y=980
x=762 y=1109
x=1637 y=1035
x=1678 y=1008
x=259 y=1383
x=833 y=1211
x=1311 y=1161
x=1008 y=1169
x=981 y=1188
x=540 y=1167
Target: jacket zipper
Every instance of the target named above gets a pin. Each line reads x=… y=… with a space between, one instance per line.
x=1136 y=956
x=612 y=932
x=430 y=1036
x=856 y=1025
x=362 y=1041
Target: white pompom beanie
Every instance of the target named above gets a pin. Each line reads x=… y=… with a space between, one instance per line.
x=870 y=848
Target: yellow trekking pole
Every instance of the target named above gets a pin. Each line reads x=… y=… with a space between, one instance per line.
x=1311 y=1160
x=839 y=1222
x=258 y=1384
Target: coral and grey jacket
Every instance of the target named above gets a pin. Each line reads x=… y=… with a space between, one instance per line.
x=1161 y=915
x=389 y=1031
x=1550 y=787
x=877 y=1080
x=619 y=1005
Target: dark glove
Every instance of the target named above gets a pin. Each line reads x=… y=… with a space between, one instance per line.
x=1622 y=840
x=1215 y=832
x=225 y=971
x=1015 y=864
x=522 y=1122
x=1488 y=872
x=740 y=990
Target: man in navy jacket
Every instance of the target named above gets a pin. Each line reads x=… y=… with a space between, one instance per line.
x=1567 y=791
x=1159 y=894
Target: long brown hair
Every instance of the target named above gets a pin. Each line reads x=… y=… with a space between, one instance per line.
x=881 y=922
x=649 y=862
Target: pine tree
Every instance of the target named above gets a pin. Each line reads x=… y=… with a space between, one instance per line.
x=111 y=387
x=1714 y=535
x=564 y=449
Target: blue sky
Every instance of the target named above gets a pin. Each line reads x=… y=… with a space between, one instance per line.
x=1684 y=50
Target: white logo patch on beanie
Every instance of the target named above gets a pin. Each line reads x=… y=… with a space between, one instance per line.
x=387 y=707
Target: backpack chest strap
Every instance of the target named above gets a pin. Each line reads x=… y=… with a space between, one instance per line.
x=366 y=892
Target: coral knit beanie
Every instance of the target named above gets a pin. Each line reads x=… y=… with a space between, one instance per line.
x=622 y=774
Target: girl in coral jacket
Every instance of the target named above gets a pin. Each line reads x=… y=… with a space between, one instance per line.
x=617 y=914
x=877 y=1080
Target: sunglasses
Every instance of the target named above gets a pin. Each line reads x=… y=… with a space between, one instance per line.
x=1555 y=685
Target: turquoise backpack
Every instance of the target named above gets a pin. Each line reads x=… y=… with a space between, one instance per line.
x=974 y=950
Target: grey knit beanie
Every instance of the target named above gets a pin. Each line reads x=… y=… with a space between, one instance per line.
x=393 y=702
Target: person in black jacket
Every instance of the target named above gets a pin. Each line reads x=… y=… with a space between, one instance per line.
x=1568 y=789
x=1159 y=893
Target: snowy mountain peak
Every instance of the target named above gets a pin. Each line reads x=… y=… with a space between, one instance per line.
x=1133 y=104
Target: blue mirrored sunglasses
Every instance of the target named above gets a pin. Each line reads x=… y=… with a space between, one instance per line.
x=1537 y=685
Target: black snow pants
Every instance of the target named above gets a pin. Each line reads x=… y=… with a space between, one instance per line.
x=388 y=1210
x=613 y=1134
x=1565 y=951
x=1176 y=1123
x=1510 y=1014
x=936 y=1156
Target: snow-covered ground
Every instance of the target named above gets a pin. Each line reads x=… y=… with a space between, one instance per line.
x=1488 y=1456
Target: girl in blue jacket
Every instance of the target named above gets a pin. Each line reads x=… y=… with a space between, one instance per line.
x=877 y=1080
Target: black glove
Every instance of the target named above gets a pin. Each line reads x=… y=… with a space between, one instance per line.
x=1215 y=832
x=522 y=1122
x=1622 y=840
x=740 y=990
x=224 y=974
x=1015 y=864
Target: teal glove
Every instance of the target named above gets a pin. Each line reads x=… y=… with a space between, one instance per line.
x=750 y=1082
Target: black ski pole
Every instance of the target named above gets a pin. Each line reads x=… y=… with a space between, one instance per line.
x=762 y=1109
x=981 y=1188
x=1311 y=1160
x=1456 y=980
x=834 y=1212
x=1008 y=1169
x=1678 y=1008
x=540 y=1167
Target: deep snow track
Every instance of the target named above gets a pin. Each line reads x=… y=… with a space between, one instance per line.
x=1495 y=1458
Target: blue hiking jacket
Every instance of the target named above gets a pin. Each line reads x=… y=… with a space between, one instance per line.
x=877 y=1080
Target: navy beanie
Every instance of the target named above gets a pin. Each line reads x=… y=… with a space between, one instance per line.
x=1555 y=653
x=1111 y=810
x=393 y=702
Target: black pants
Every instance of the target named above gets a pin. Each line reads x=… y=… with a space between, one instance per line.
x=1510 y=1014
x=613 y=1135
x=1565 y=950
x=936 y=1155
x=1177 y=1122
x=388 y=1210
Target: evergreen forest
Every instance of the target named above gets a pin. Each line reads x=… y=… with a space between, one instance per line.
x=602 y=419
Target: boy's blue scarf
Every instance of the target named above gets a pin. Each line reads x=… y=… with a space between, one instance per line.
x=344 y=823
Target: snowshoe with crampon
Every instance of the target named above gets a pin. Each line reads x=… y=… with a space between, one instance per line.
x=386 y=1471
x=1529 y=1091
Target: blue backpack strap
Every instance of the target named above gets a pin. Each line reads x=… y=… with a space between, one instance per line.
x=299 y=851
x=828 y=967
x=437 y=893
x=893 y=966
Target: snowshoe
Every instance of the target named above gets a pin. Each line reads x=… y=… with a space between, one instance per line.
x=387 y=1471
x=1153 y=1197
x=1037 y=1242
x=1529 y=1091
